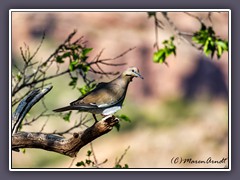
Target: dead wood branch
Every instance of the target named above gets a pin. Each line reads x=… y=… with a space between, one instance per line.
x=69 y=147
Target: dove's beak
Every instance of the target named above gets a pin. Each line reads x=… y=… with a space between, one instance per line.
x=138 y=75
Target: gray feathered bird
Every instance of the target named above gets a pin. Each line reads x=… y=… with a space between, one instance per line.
x=106 y=98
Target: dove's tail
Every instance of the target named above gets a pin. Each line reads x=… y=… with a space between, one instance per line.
x=66 y=108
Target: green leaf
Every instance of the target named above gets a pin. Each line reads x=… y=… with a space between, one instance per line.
x=169 y=48
x=163 y=58
x=117 y=126
x=73 y=83
x=118 y=166
x=66 y=54
x=206 y=50
x=88 y=161
x=59 y=59
x=19 y=76
x=72 y=65
x=66 y=116
x=87 y=88
x=89 y=153
x=124 y=118
x=219 y=51
x=86 y=51
x=82 y=90
x=156 y=57
x=80 y=164
x=203 y=26
x=222 y=44
x=23 y=150
x=159 y=55
x=75 y=56
x=174 y=50
x=85 y=68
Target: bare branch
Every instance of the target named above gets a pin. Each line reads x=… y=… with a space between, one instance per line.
x=36 y=51
x=40 y=80
x=59 y=144
x=179 y=33
x=118 y=56
x=59 y=48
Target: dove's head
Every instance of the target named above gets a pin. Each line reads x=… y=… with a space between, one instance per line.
x=132 y=72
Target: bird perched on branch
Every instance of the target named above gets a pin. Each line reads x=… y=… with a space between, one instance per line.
x=106 y=98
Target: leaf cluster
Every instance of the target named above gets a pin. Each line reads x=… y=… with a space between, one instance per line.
x=209 y=42
x=87 y=162
x=161 y=54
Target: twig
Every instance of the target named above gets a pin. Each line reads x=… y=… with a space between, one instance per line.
x=195 y=17
x=122 y=156
x=59 y=47
x=110 y=59
x=70 y=165
x=36 y=51
x=94 y=156
x=41 y=130
x=179 y=33
x=34 y=119
x=40 y=80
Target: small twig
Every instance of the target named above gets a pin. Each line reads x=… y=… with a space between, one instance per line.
x=40 y=80
x=122 y=156
x=70 y=165
x=94 y=156
x=103 y=73
x=34 y=119
x=41 y=130
x=195 y=17
x=36 y=51
x=117 y=57
x=156 y=32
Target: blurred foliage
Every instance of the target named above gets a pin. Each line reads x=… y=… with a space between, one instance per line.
x=206 y=37
x=66 y=116
x=121 y=117
x=86 y=88
x=161 y=54
x=167 y=113
x=209 y=42
x=91 y=160
x=87 y=162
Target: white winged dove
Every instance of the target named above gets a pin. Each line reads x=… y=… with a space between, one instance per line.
x=106 y=98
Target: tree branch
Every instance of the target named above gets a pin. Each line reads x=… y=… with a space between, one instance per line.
x=59 y=144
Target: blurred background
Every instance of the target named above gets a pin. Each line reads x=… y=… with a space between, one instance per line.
x=179 y=110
